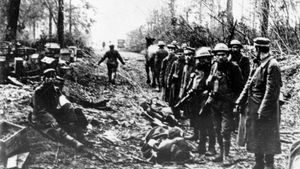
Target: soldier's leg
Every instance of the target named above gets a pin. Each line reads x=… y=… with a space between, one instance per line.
x=217 y=119
x=147 y=68
x=211 y=135
x=157 y=72
x=69 y=120
x=202 y=136
x=82 y=121
x=227 y=122
x=113 y=77
x=259 y=161
x=109 y=72
x=269 y=161
x=194 y=125
x=48 y=125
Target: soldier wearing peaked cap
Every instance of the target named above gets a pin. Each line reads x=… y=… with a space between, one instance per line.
x=261 y=96
x=159 y=56
x=54 y=115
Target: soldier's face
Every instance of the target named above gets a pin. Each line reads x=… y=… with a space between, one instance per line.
x=221 y=57
x=171 y=50
x=235 y=49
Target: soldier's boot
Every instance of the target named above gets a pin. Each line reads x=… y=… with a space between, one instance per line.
x=113 y=78
x=193 y=137
x=259 y=161
x=73 y=142
x=269 y=161
x=211 y=151
x=212 y=141
x=219 y=157
x=202 y=142
x=226 y=159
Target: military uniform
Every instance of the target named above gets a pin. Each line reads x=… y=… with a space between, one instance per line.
x=112 y=63
x=261 y=95
x=53 y=114
x=161 y=54
x=164 y=73
x=226 y=82
x=174 y=81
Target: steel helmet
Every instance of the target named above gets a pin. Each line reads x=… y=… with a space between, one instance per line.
x=184 y=45
x=236 y=42
x=171 y=46
x=49 y=72
x=161 y=43
x=203 y=52
x=220 y=47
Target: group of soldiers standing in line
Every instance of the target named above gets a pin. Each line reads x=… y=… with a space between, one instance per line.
x=218 y=92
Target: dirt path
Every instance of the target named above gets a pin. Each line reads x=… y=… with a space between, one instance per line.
x=122 y=125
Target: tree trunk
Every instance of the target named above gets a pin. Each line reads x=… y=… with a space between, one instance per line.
x=70 y=18
x=33 y=29
x=229 y=12
x=50 y=22
x=254 y=14
x=12 y=20
x=230 y=27
x=60 y=23
x=265 y=17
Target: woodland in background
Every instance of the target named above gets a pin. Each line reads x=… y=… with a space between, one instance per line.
x=54 y=20
x=205 y=22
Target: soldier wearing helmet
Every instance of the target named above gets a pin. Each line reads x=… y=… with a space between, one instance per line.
x=54 y=115
x=226 y=82
x=238 y=58
x=112 y=57
x=159 y=56
x=197 y=92
x=261 y=93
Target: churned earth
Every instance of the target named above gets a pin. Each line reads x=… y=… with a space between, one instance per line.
x=117 y=131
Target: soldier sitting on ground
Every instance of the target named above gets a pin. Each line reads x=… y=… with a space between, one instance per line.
x=55 y=116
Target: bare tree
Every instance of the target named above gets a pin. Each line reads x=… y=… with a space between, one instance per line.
x=60 y=23
x=265 y=10
x=12 y=20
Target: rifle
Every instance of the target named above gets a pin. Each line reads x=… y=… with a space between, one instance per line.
x=184 y=100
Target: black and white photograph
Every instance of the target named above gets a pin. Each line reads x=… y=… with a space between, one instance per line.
x=149 y=84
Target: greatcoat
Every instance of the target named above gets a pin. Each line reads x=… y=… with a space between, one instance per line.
x=261 y=95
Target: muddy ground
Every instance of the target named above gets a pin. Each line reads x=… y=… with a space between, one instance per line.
x=117 y=132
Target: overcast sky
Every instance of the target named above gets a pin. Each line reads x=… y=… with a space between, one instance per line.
x=115 y=18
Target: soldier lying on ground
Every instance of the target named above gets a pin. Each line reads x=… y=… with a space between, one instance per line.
x=55 y=116
x=163 y=144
